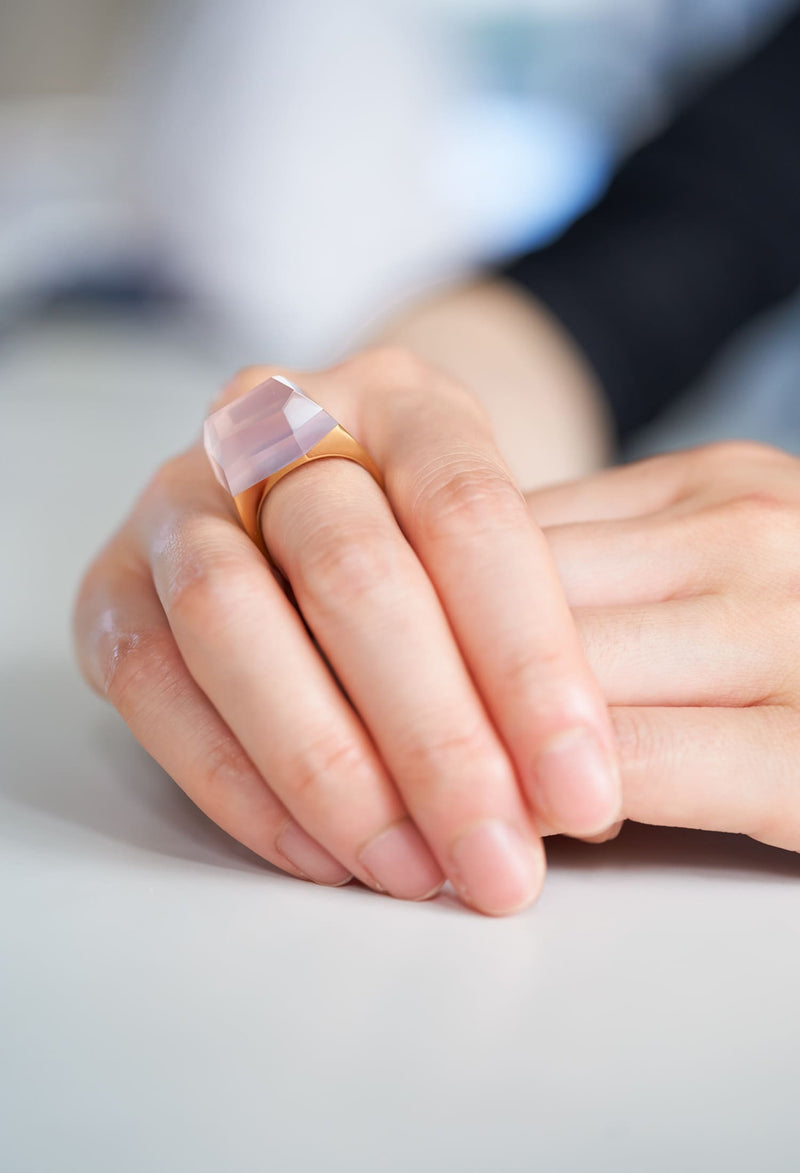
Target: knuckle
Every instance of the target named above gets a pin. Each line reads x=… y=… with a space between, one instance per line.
x=98 y=609
x=447 y=756
x=139 y=670
x=756 y=505
x=641 y=746
x=523 y=674
x=224 y=764
x=199 y=593
x=389 y=366
x=758 y=521
x=545 y=680
x=336 y=567
x=536 y=669
x=731 y=454
x=405 y=389
x=401 y=373
x=317 y=773
x=466 y=497
x=195 y=579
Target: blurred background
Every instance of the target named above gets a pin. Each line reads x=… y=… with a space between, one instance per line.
x=187 y=186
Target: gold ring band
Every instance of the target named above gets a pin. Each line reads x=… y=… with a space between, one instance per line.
x=256 y=440
x=339 y=442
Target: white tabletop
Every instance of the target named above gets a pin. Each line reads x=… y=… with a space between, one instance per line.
x=169 y=1003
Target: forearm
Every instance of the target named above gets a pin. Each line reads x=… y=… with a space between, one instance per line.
x=548 y=411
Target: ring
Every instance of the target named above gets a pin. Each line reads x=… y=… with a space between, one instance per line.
x=254 y=441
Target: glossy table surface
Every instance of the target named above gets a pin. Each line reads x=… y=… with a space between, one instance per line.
x=168 y=1003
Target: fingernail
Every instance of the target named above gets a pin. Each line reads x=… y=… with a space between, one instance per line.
x=401 y=863
x=309 y=858
x=606 y=836
x=577 y=788
x=496 y=869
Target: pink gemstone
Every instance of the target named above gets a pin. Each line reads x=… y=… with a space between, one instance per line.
x=261 y=432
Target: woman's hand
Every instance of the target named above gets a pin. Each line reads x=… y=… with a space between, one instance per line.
x=443 y=708
x=684 y=575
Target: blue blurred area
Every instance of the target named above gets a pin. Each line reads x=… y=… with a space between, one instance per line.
x=549 y=99
x=518 y=169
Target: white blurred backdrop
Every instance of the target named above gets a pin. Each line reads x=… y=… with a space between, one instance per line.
x=295 y=167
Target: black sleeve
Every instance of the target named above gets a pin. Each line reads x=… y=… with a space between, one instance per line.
x=698 y=232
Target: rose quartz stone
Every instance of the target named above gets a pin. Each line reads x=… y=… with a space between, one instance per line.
x=264 y=430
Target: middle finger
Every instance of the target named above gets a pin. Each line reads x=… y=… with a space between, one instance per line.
x=377 y=618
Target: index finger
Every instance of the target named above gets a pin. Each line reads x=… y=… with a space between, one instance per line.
x=469 y=524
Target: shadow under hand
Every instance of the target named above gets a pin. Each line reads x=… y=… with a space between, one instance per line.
x=643 y=848
x=70 y=757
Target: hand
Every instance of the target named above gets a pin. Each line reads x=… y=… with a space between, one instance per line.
x=443 y=703
x=683 y=574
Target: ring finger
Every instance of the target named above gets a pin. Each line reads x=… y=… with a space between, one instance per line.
x=698 y=651
x=247 y=649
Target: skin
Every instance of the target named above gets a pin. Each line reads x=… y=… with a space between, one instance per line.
x=682 y=572
x=447 y=635
x=441 y=708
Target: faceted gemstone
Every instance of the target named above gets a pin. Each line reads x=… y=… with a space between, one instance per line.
x=264 y=430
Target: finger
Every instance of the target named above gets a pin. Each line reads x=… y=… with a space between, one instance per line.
x=632 y=490
x=700 y=651
x=375 y=614
x=687 y=549
x=713 y=473
x=466 y=520
x=128 y=654
x=644 y=560
x=713 y=769
x=246 y=647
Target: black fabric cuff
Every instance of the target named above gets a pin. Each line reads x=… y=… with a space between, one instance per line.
x=698 y=233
